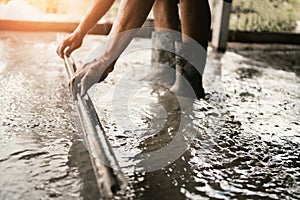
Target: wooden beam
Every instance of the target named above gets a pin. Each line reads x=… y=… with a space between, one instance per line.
x=28 y=26
x=103 y=29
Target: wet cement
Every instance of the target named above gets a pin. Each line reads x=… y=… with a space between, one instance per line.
x=244 y=137
x=39 y=149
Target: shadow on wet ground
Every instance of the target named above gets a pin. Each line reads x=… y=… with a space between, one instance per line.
x=241 y=141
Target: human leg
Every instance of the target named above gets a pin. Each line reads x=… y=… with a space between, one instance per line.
x=166 y=15
x=191 y=53
x=166 y=19
x=195 y=20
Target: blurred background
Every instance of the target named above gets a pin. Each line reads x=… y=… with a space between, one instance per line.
x=49 y=10
x=246 y=15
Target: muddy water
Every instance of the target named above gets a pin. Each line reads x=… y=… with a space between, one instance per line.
x=243 y=139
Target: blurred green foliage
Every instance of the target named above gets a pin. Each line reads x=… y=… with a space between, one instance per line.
x=265 y=15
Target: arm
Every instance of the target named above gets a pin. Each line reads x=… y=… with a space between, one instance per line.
x=95 y=12
x=131 y=16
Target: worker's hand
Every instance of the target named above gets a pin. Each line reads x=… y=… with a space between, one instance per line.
x=69 y=44
x=91 y=73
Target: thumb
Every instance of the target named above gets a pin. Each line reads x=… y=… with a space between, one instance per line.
x=69 y=50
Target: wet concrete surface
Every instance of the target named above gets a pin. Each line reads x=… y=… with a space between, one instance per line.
x=243 y=139
x=37 y=130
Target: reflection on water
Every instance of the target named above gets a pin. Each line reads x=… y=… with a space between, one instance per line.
x=241 y=142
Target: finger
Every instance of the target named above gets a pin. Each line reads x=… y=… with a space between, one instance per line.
x=84 y=85
x=103 y=78
x=69 y=50
x=71 y=86
x=87 y=82
x=82 y=77
x=61 y=48
x=74 y=85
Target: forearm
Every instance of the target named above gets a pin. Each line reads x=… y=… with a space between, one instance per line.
x=131 y=16
x=95 y=12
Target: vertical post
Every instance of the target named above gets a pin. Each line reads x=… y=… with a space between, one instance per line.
x=221 y=24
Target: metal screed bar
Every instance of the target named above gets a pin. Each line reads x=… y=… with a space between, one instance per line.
x=108 y=174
